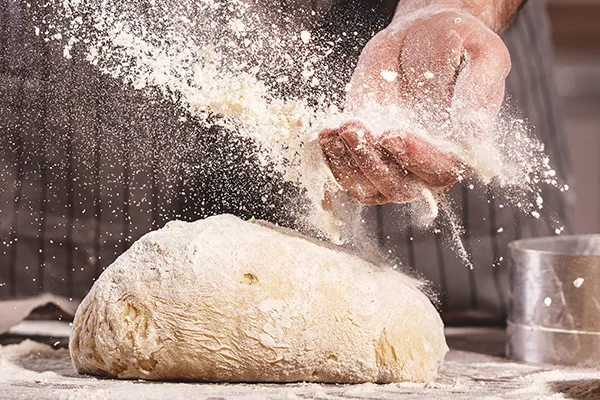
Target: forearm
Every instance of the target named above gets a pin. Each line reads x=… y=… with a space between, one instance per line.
x=496 y=14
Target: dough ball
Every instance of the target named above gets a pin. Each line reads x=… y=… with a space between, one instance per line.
x=223 y=299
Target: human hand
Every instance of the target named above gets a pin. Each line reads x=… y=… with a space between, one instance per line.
x=396 y=167
x=436 y=62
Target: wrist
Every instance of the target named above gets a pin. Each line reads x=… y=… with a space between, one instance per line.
x=486 y=11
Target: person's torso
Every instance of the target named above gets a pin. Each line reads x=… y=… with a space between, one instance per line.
x=87 y=166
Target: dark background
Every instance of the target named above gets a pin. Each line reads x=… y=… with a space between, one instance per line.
x=576 y=35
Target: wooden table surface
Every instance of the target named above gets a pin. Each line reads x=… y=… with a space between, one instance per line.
x=474 y=369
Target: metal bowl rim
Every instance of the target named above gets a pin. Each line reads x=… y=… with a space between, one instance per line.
x=520 y=245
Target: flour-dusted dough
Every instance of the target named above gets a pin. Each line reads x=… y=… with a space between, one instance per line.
x=222 y=299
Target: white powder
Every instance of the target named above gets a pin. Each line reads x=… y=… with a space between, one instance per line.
x=431 y=202
x=305 y=37
x=578 y=282
x=33 y=370
x=211 y=57
x=389 y=76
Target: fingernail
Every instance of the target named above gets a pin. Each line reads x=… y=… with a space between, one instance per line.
x=329 y=140
x=354 y=138
x=394 y=143
x=327 y=132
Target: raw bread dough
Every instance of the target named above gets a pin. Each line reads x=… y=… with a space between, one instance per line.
x=222 y=299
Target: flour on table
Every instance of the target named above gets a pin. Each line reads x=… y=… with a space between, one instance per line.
x=32 y=370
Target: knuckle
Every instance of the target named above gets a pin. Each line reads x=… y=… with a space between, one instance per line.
x=445 y=180
x=499 y=54
x=374 y=200
x=491 y=47
x=359 y=196
x=365 y=194
x=327 y=133
x=352 y=124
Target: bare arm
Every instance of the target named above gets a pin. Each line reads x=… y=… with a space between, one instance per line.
x=496 y=14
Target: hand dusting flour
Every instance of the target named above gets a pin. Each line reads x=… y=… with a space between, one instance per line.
x=229 y=59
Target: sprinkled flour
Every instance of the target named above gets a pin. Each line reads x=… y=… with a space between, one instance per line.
x=34 y=370
x=229 y=59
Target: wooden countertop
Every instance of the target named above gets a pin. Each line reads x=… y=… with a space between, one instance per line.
x=474 y=369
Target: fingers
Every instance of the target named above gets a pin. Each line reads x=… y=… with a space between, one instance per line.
x=345 y=170
x=394 y=168
x=437 y=168
x=390 y=178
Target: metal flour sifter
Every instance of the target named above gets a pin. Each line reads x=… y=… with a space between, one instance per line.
x=554 y=302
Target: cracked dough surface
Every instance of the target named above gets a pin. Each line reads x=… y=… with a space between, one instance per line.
x=223 y=299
